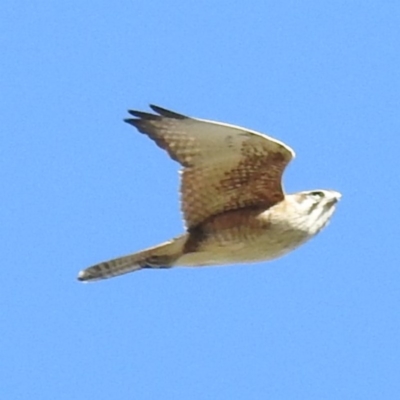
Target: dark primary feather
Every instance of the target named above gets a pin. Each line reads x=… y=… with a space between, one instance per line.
x=150 y=124
x=144 y=116
x=167 y=113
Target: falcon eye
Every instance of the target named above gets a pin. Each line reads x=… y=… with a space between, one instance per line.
x=317 y=193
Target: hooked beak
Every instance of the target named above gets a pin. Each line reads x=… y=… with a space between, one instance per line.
x=334 y=196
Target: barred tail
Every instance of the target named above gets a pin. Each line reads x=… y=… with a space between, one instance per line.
x=161 y=256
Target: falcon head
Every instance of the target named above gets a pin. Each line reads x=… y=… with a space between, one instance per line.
x=312 y=210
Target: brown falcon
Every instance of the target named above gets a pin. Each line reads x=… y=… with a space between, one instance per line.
x=231 y=197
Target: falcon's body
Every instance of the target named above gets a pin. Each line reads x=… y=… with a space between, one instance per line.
x=232 y=198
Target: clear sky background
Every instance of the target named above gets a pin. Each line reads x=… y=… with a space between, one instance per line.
x=79 y=186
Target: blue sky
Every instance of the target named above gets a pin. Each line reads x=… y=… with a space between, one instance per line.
x=80 y=186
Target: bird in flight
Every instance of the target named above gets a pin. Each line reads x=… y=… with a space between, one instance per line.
x=233 y=203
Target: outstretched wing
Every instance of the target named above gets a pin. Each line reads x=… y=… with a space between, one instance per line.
x=225 y=167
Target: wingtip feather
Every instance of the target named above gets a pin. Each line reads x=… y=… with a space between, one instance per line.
x=167 y=113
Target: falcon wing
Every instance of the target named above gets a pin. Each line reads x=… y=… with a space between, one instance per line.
x=225 y=167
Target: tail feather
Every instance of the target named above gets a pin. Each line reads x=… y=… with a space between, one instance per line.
x=161 y=256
